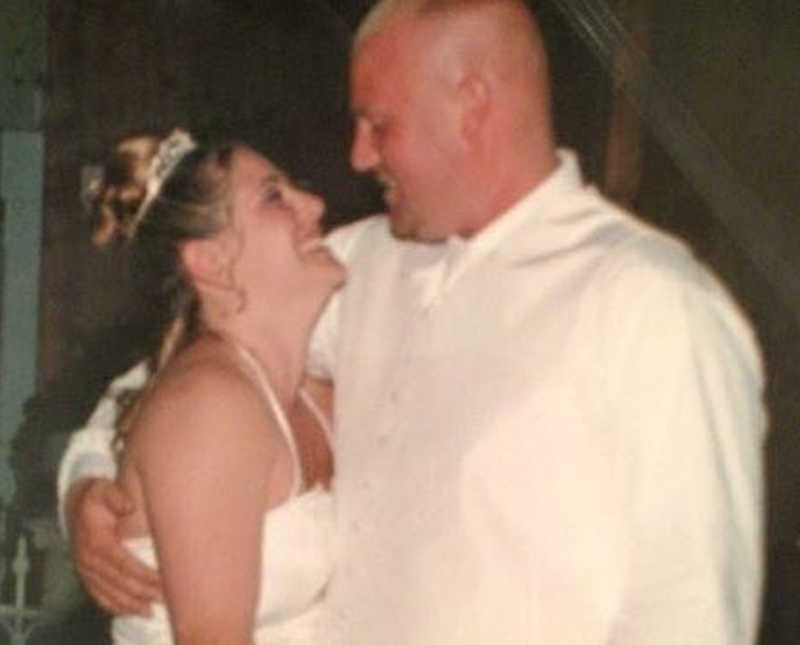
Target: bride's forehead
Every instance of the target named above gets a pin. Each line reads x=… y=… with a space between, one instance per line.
x=243 y=155
x=248 y=165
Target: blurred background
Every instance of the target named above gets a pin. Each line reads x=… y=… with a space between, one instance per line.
x=684 y=111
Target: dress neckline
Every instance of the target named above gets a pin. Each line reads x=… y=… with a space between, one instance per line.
x=279 y=414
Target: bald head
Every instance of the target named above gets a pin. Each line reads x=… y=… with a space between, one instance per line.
x=486 y=61
x=384 y=10
x=495 y=32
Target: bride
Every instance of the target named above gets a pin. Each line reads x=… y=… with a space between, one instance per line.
x=231 y=504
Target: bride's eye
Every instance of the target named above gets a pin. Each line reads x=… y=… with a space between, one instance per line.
x=272 y=194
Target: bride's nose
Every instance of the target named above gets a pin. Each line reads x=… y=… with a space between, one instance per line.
x=310 y=207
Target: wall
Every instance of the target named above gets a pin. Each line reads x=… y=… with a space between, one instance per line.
x=734 y=64
x=23 y=36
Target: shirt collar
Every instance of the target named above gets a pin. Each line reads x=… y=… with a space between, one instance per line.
x=462 y=253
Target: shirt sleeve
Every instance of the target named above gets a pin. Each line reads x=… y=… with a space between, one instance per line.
x=89 y=451
x=685 y=390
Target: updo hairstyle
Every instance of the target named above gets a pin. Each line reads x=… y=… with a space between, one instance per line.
x=156 y=207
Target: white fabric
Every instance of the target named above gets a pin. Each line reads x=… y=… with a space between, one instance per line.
x=549 y=434
x=88 y=452
x=296 y=563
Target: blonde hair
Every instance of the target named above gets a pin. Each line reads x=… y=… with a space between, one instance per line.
x=192 y=202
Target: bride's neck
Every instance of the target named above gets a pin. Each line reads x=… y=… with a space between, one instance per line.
x=279 y=347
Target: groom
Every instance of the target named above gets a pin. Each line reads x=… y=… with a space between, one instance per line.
x=549 y=415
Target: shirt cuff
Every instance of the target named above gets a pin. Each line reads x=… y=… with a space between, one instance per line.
x=81 y=466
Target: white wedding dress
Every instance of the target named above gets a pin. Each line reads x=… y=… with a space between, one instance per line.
x=296 y=558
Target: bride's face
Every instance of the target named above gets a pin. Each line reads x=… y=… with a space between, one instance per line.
x=281 y=255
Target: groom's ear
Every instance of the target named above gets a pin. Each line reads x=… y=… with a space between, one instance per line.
x=474 y=99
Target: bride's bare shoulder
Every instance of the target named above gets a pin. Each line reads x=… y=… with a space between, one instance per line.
x=202 y=393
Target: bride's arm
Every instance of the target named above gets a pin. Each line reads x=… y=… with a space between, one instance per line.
x=205 y=463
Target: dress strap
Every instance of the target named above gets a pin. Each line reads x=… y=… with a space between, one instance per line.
x=277 y=410
x=320 y=417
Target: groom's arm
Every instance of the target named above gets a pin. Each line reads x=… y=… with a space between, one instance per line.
x=115 y=580
x=91 y=505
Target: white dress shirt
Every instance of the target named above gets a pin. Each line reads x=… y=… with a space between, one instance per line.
x=548 y=434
